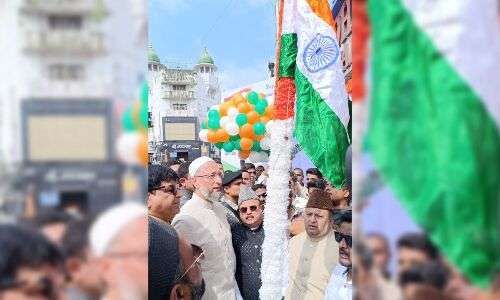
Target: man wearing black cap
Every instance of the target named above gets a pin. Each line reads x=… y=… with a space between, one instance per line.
x=231 y=185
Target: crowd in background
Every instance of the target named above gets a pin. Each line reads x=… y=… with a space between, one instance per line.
x=206 y=232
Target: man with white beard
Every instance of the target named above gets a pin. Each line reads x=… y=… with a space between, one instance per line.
x=119 y=240
x=202 y=222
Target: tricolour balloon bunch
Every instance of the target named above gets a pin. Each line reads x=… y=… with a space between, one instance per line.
x=133 y=143
x=242 y=123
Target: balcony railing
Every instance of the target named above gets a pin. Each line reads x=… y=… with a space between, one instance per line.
x=64 y=41
x=178 y=95
x=58 y=6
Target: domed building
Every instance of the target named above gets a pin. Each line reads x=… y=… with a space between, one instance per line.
x=180 y=96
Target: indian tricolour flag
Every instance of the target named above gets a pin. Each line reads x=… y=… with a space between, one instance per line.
x=309 y=52
x=435 y=118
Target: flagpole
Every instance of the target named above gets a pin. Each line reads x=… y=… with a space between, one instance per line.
x=275 y=246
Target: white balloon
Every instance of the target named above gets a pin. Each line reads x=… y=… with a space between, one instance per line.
x=203 y=135
x=232 y=128
x=233 y=112
x=264 y=144
x=224 y=120
x=269 y=126
x=270 y=100
x=127 y=147
x=215 y=107
x=258 y=157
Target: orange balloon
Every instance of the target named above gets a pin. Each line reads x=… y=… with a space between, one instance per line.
x=253 y=117
x=244 y=107
x=221 y=135
x=244 y=154
x=223 y=108
x=238 y=98
x=142 y=150
x=258 y=138
x=212 y=136
x=270 y=112
x=246 y=131
x=246 y=144
x=264 y=119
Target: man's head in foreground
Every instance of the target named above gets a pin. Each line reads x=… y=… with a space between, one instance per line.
x=207 y=178
x=379 y=246
x=31 y=267
x=163 y=199
x=118 y=238
x=317 y=214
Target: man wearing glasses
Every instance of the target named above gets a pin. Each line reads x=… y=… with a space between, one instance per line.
x=314 y=253
x=202 y=222
x=340 y=285
x=247 y=241
x=163 y=198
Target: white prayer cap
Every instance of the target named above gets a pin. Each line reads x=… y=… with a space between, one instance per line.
x=197 y=163
x=110 y=223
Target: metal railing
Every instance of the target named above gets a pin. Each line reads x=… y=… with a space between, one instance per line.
x=64 y=41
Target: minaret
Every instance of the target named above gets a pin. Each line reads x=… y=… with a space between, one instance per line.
x=153 y=59
x=205 y=67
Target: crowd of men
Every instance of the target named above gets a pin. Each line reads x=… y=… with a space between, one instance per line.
x=206 y=232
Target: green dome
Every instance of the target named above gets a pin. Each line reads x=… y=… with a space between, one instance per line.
x=152 y=56
x=205 y=58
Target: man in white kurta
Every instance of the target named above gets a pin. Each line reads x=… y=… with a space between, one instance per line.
x=202 y=221
x=313 y=254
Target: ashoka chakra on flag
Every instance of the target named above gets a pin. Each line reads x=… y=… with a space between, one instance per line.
x=321 y=52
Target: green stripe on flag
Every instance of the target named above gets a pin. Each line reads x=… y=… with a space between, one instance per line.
x=288 y=54
x=434 y=143
x=319 y=131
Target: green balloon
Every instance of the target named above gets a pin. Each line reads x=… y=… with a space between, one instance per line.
x=143 y=116
x=144 y=92
x=234 y=138
x=214 y=123
x=128 y=121
x=256 y=146
x=259 y=128
x=212 y=114
x=241 y=119
x=260 y=107
x=228 y=146
x=253 y=97
x=219 y=145
x=204 y=125
x=236 y=144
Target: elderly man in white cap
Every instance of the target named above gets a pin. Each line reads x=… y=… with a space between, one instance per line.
x=118 y=239
x=202 y=221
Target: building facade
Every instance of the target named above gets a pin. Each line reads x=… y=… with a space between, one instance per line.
x=342 y=14
x=68 y=66
x=180 y=97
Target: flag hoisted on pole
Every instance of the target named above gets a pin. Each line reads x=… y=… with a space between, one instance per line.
x=309 y=78
x=434 y=122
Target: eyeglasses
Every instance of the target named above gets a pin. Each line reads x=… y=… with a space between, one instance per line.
x=196 y=261
x=212 y=176
x=165 y=189
x=340 y=236
x=243 y=210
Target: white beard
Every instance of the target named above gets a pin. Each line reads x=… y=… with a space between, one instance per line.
x=210 y=195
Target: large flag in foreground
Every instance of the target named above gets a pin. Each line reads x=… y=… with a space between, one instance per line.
x=435 y=119
x=309 y=53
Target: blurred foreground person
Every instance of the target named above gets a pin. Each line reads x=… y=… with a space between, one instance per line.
x=340 y=285
x=313 y=254
x=186 y=187
x=31 y=267
x=86 y=281
x=247 y=242
x=53 y=224
x=163 y=199
x=414 y=249
x=173 y=265
x=379 y=246
x=424 y=281
x=118 y=238
x=202 y=222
